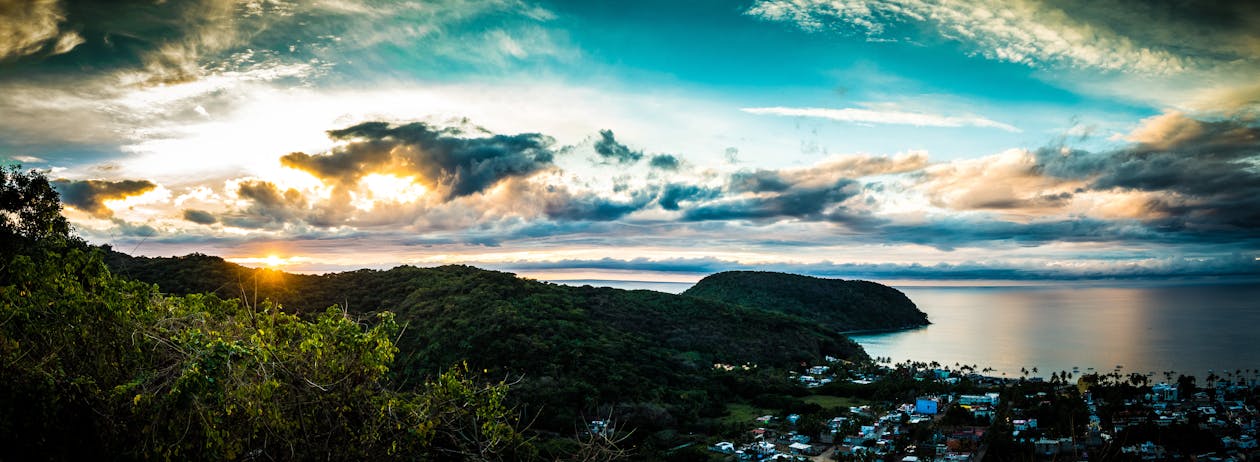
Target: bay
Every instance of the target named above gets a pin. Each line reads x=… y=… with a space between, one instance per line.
x=1187 y=329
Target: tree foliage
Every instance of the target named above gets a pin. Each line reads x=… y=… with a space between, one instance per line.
x=575 y=350
x=100 y=366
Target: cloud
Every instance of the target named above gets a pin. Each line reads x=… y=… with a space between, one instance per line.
x=856 y=115
x=28 y=27
x=797 y=201
x=1169 y=267
x=1196 y=179
x=1203 y=172
x=611 y=151
x=200 y=217
x=1023 y=31
x=445 y=160
x=1166 y=130
x=591 y=207
x=90 y=195
x=812 y=193
x=125 y=228
x=1011 y=181
x=665 y=162
x=269 y=206
x=673 y=194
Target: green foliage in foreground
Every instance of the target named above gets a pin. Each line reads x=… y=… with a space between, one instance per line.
x=643 y=358
x=97 y=366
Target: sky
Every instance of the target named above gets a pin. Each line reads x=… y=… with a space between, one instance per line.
x=891 y=140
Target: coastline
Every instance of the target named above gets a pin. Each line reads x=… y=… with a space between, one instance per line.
x=884 y=330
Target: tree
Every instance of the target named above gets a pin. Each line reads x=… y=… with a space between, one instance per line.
x=96 y=364
x=1186 y=386
x=30 y=208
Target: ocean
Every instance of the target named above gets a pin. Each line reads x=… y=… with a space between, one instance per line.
x=1191 y=329
x=1188 y=329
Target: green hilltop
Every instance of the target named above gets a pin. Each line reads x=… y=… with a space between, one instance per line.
x=840 y=305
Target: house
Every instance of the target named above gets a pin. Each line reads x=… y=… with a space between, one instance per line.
x=990 y=399
x=800 y=448
x=1164 y=392
x=793 y=418
x=983 y=412
x=763 y=448
x=1049 y=447
x=819 y=370
x=927 y=406
x=724 y=447
x=1247 y=442
x=1024 y=425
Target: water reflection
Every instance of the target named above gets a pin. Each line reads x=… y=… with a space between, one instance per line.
x=1190 y=329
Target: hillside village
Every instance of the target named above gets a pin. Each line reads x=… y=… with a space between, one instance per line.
x=929 y=412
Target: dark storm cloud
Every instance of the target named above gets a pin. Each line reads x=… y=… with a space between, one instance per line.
x=665 y=162
x=1204 y=173
x=125 y=228
x=269 y=206
x=200 y=217
x=444 y=159
x=90 y=195
x=591 y=207
x=1223 y=30
x=611 y=151
x=673 y=193
x=797 y=201
x=164 y=39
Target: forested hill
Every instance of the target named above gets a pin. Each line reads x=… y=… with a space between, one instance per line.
x=838 y=304
x=579 y=349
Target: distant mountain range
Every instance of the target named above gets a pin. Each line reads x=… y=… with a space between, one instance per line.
x=576 y=350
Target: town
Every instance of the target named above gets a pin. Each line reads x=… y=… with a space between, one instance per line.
x=914 y=411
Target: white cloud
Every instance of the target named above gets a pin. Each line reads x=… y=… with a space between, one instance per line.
x=1019 y=31
x=875 y=116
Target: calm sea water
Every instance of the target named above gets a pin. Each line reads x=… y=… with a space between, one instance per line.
x=1188 y=329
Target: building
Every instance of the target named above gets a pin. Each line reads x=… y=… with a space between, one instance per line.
x=1164 y=392
x=971 y=400
x=927 y=406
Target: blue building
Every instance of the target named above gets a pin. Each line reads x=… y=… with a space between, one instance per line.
x=926 y=406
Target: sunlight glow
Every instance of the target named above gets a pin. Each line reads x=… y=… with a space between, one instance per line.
x=385 y=187
x=270 y=261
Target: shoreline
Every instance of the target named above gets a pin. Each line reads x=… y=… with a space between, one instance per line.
x=883 y=330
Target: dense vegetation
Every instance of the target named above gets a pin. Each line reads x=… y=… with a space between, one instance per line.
x=837 y=304
x=98 y=366
x=645 y=357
